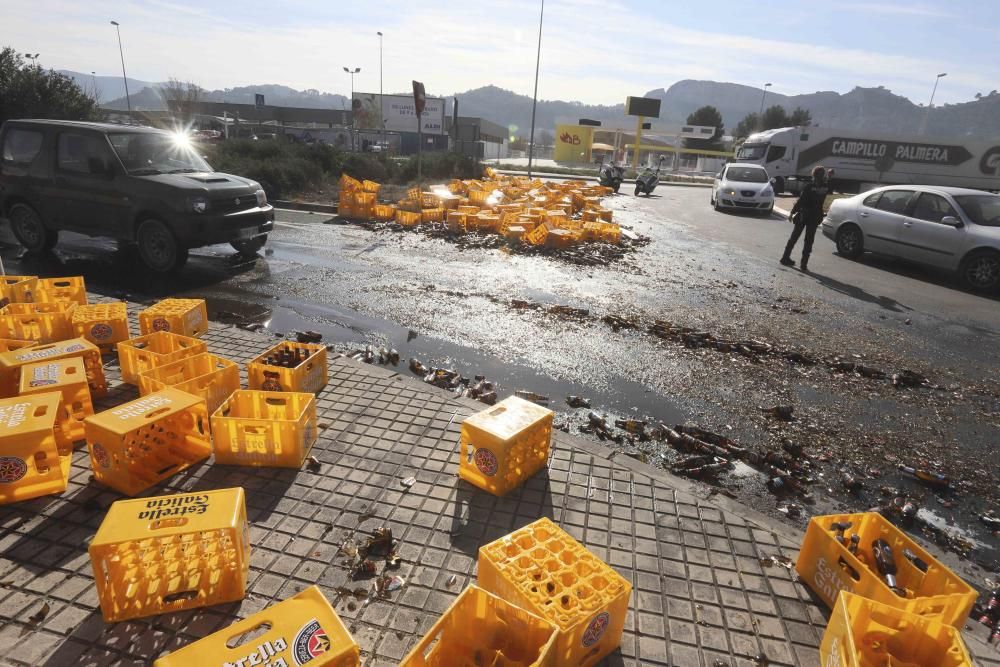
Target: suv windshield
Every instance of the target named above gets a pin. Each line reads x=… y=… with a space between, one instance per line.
x=157 y=153
x=746 y=175
x=981 y=209
x=751 y=151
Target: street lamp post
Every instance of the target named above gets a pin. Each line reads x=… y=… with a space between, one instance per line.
x=121 y=52
x=354 y=129
x=760 y=116
x=534 y=100
x=923 y=124
x=381 y=120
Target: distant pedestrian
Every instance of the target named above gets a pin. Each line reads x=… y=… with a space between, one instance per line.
x=829 y=181
x=806 y=216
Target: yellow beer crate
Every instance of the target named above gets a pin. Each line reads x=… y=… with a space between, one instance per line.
x=30 y=464
x=143 y=353
x=504 y=445
x=103 y=324
x=456 y=222
x=309 y=375
x=862 y=632
x=140 y=443
x=537 y=235
x=407 y=218
x=68 y=377
x=432 y=214
x=40 y=322
x=70 y=289
x=562 y=238
x=18 y=289
x=384 y=212
x=169 y=553
x=480 y=628
x=371 y=186
x=187 y=317
x=207 y=376
x=828 y=567
x=12 y=361
x=264 y=428
x=542 y=569
x=301 y=630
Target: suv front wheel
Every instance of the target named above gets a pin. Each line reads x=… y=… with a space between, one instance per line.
x=158 y=248
x=30 y=231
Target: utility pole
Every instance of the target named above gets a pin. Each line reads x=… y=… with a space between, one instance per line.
x=534 y=99
x=381 y=119
x=354 y=126
x=760 y=116
x=927 y=114
x=121 y=52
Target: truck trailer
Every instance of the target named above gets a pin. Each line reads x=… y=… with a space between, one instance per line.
x=863 y=160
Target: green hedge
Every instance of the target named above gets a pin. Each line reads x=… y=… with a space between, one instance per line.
x=284 y=168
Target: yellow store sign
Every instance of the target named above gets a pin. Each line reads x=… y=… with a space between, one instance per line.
x=573 y=143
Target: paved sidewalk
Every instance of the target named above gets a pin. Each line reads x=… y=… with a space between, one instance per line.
x=702 y=594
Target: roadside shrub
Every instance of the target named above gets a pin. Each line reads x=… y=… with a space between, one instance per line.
x=283 y=168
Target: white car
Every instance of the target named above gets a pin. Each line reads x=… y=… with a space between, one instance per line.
x=951 y=228
x=743 y=186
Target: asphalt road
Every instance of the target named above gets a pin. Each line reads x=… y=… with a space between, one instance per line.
x=716 y=272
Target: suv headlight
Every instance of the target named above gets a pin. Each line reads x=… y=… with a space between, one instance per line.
x=198 y=204
x=767 y=192
x=261 y=198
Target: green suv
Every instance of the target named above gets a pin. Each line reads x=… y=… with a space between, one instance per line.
x=134 y=184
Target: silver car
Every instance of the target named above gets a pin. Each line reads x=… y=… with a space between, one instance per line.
x=950 y=228
x=743 y=186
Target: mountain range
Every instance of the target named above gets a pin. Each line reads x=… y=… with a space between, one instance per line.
x=862 y=109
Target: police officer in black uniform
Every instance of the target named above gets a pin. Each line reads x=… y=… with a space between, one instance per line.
x=806 y=215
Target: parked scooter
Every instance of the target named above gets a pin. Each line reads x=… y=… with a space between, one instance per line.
x=646 y=182
x=611 y=175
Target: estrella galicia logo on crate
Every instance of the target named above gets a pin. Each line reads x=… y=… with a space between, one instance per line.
x=160 y=324
x=101 y=331
x=598 y=626
x=486 y=461
x=12 y=469
x=310 y=642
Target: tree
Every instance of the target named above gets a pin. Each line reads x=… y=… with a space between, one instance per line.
x=774 y=117
x=747 y=126
x=30 y=91
x=181 y=98
x=546 y=138
x=707 y=116
x=800 y=117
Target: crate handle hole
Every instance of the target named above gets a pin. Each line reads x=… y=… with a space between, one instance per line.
x=256 y=430
x=168 y=523
x=71 y=370
x=429 y=648
x=180 y=596
x=141 y=345
x=498 y=411
x=275 y=401
x=156 y=412
x=165 y=469
x=253 y=633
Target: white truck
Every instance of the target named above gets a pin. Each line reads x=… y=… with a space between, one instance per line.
x=864 y=160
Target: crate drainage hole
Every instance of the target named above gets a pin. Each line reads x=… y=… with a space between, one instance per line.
x=249 y=635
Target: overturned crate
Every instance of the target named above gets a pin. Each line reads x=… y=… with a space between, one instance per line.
x=140 y=443
x=187 y=317
x=30 y=464
x=12 y=361
x=300 y=630
x=170 y=553
x=67 y=377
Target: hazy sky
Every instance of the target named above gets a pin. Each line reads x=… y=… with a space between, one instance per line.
x=595 y=51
